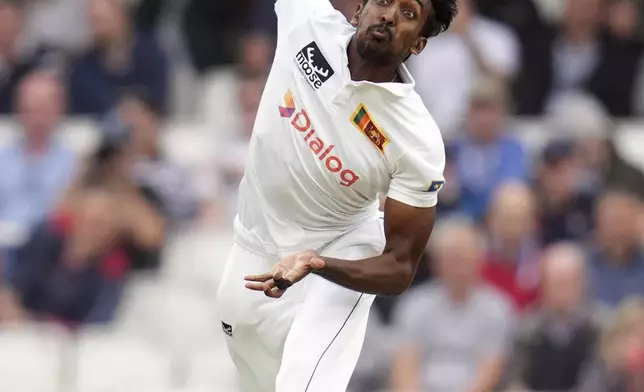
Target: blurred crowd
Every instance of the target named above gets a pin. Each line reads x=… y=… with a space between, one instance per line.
x=533 y=279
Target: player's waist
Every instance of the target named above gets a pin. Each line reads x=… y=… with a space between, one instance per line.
x=282 y=243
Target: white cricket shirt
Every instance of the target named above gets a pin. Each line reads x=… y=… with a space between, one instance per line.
x=324 y=146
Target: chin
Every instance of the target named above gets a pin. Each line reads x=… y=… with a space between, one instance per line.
x=373 y=52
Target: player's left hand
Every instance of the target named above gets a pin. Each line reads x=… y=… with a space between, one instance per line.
x=286 y=273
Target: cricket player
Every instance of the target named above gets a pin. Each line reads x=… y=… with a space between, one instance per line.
x=339 y=122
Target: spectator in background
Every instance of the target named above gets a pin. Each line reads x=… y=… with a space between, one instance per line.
x=36 y=168
x=122 y=57
x=142 y=116
x=452 y=65
x=521 y=15
x=72 y=269
x=622 y=20
x=453 y=334
x=565 y=211
x=511 y=264
x=584 y=119
x=217 y=34
x=486 y=156
x=16 y=61
x=617 y=263
x=558 y=340
x=578 y=56
x=619 y=366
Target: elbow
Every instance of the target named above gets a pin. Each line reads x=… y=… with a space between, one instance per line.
x=404 y=276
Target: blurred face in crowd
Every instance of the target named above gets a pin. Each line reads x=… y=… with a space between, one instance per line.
x=486 y=119
x=96 y=220
x=144 y=124
x=511 y=215
x=250 y=93
x=10 y=27
x=109 y=20
x=558 y=180
x=563 y=284
x=458 y=253
x=582 y=14
x=623 y=18
x=40 y=105
x=617 y=216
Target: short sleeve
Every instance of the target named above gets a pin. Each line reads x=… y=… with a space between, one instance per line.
x=291 y=13
x=417 y=176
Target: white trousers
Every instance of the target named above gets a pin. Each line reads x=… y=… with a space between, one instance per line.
x=310 y=339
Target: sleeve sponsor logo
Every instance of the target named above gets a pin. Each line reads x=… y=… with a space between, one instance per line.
x=362 y=120
x=435 y=186
x=313 y=65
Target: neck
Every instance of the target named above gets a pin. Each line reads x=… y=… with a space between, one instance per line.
x=458 y=293
x=619 y=255
x=360 y=69
x=580 y=34
x=36 y=146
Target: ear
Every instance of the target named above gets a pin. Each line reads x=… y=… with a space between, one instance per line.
x=418 y=46
x=356 y=15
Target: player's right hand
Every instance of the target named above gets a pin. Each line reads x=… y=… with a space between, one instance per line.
x=286 y=273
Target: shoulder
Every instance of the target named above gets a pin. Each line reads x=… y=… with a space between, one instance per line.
x=493 y=303
x=412 y=128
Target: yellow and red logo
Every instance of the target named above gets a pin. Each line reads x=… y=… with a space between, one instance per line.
x=362 y=120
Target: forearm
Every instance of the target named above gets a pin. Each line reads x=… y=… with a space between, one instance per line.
x=386 y=274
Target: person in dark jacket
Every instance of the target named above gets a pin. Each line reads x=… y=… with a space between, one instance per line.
x=122 y=56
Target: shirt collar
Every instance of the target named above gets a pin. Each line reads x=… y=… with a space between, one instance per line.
x=399 y=90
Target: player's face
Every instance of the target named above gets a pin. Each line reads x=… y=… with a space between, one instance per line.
x=389 y=30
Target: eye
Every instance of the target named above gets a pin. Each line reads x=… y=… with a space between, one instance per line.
x=380 y=1
x=409 y=14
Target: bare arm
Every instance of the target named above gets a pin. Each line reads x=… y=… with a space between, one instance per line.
x=405 y=375
x=489 y=374
x=407 y=230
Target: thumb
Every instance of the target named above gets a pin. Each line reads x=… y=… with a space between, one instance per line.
x=317 y=263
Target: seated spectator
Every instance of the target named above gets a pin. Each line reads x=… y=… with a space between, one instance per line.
x=558 y=339
x=578 y=56
x=16 y=61
x=72 y=269
x=622 y=20
x=583 y=118
x=485 y=156
x=36 y=168
x=111 y=166
x=122 y=57
x=142 y=115
x=448 y=69
x=619 y=367
x=511 y=264
x=452 y=334
x=617 y=262
x=565 y=211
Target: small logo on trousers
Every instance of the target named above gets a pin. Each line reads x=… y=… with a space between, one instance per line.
x=228 y=329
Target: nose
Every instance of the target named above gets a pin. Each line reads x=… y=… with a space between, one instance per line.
x=389 y=16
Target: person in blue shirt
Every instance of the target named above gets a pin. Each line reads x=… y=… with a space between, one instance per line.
x=486 y=157
x=36 y=168
x=122 y=57
x=617 y=263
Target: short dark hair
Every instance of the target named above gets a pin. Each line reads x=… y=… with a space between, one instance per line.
x=440 y=17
